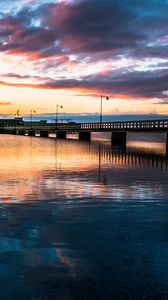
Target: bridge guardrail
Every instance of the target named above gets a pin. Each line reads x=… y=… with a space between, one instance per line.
x=146 y=124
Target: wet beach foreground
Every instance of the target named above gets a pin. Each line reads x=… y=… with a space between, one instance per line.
x=81 y=222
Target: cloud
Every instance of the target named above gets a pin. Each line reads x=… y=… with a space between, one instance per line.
x=119 y=27
x=18 y=76
x=120 y=84
x=163 y=102
x=51 y=33
x=94 y=26
x=19 y=34
x=5 y=103
x=122 y=28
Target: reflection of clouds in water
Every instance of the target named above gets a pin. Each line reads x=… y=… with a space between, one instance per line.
x=56 y=247
x=31 y=241
x=36 y=256
x=10 y=245
x=67 y=261
x=148 y=137
x=147 y=147
x=52 y=257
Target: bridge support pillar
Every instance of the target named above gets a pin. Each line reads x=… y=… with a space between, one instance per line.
x=31 y=132
x=61 y=134
x=85 y=135
x=21 y=132
x=2 y=130
x=118 y=139
x=43 y=133
x=167 y=144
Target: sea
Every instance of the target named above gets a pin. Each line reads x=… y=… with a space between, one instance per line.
x=83 y=221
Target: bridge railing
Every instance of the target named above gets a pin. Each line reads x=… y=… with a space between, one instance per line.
x=123 y=125
x=150 y=124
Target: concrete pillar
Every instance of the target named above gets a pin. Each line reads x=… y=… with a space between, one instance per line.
x=2 y=130
x=31 y=132
x=61 y=134
x=21 y=132
x=43 y=133
x=118 y=139
x=167 y=144
x=85 y=135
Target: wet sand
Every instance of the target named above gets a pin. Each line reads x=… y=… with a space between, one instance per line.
x=84 y=249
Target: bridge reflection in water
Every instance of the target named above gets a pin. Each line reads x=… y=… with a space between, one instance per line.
x=131 y=157
x=35 y=168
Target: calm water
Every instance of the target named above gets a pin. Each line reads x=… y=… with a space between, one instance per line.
x=82 y=221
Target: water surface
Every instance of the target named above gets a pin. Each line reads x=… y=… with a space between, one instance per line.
x=81 y=221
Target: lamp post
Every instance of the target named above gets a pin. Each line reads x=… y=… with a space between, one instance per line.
x=101 y=98
x=15 y=119
x=56 y=114
x=31 y=117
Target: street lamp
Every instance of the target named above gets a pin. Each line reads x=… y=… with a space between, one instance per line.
x=56 y=114
x=107 y=98
x=15 y=119
x=31 y=117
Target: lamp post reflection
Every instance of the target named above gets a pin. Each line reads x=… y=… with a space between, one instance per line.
x=104 y=179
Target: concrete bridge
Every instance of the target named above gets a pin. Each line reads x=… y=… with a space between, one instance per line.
x=118 y=130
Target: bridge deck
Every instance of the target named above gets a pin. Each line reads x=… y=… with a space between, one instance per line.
x=144 y=125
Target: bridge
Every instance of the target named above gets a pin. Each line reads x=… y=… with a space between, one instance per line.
x=118 y=129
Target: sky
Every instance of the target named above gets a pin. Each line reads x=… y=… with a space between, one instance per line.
x=72 y=52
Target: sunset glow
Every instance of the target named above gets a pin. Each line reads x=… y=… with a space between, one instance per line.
x=72 y=52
